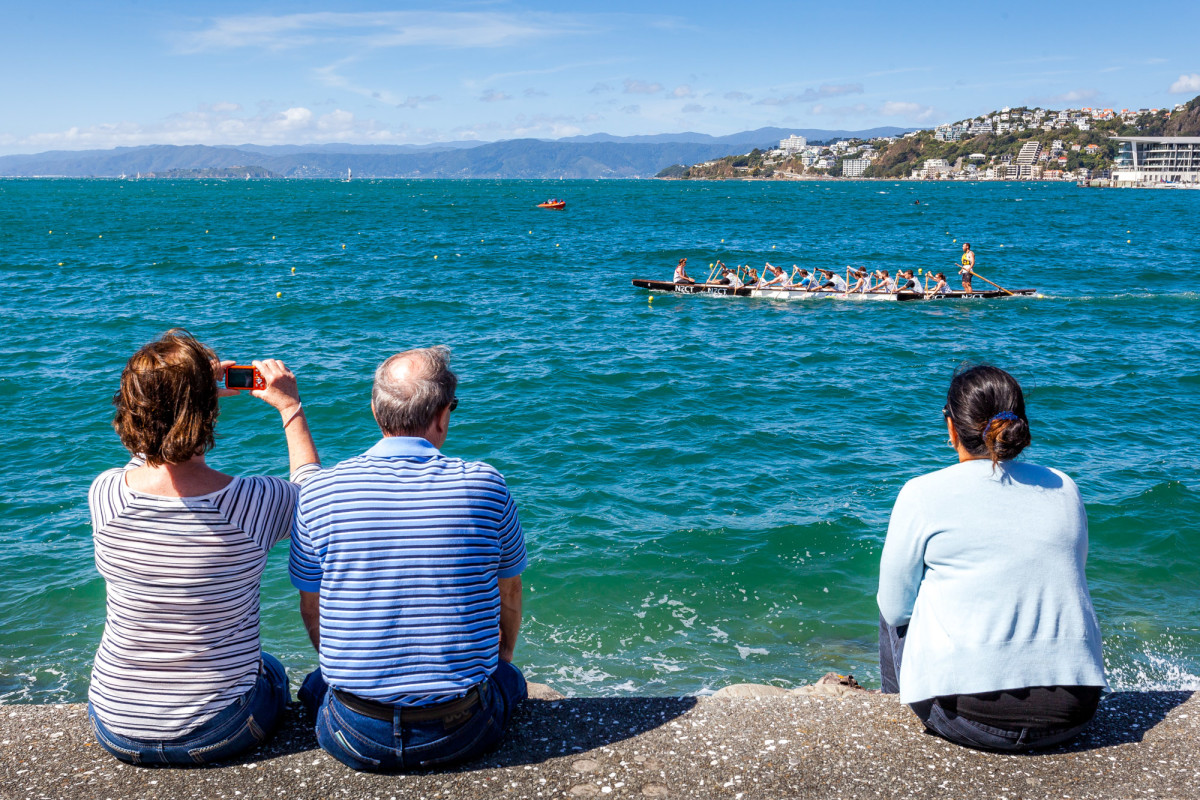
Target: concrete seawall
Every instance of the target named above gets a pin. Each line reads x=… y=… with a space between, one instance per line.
x=786 y=745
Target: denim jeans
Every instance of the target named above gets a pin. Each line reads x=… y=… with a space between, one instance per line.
x=374 y=745
x=241 y=726
x=951 y=726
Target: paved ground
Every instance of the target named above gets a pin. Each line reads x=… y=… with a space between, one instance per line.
x=792 y=746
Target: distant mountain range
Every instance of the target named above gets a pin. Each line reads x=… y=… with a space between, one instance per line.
x=594 y=156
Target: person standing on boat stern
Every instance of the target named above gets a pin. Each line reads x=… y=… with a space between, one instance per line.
x=409 y=568
x=681 y=275
x=180 y=677
x=967 y=271
x=986 y=626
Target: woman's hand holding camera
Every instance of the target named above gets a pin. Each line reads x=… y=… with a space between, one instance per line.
x=282 y=392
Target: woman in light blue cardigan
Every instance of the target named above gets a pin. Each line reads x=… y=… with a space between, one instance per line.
x=987 y=629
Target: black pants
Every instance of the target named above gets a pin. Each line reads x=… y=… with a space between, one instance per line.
x=950 y=725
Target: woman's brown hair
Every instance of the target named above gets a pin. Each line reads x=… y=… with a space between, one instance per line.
x=167 y=404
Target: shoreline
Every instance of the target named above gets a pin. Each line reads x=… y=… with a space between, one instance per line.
x=744 y=742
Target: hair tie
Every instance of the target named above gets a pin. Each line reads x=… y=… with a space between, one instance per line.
x=1003 y=415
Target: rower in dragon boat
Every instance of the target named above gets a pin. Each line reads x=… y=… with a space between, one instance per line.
x=832 y=282
x=885 y=283
x=862 y=283
x=779 y=281
x=729 y=277
x=909 y=283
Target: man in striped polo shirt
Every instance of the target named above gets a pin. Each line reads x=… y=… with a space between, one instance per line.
x=408 y=564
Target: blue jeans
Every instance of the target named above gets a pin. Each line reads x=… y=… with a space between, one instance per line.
x=374 y=745
x=241 y=726
x=951 y=726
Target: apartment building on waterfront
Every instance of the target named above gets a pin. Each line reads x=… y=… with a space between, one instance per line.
x=1157 y=159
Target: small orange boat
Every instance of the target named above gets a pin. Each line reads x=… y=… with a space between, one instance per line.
x=557 y=205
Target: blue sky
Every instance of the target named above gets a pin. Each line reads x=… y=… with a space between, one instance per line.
x=98 y=75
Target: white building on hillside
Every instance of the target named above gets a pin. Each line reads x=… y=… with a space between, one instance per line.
x=793 y=144
x=854 y=167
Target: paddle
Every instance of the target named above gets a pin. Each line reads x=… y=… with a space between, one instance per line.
x=712 y=272
x=998 y=286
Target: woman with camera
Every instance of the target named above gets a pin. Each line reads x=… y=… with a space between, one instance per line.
x=987 y=629
x=179 y=677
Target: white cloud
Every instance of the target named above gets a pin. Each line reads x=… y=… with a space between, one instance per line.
x=543 y=126
x=683 y=91
x=413 y=101
x=825 y=92
x=642 y=87
x=1186 y=84
x=600 y=88
x=737 y=96
x=492 y=96
x=693 y=108
x=377 y=30
x=1073 y=96
x=291 y=126
x=912 y=111
x=856 y=110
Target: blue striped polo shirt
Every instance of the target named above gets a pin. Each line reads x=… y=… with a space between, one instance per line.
x=405 y=547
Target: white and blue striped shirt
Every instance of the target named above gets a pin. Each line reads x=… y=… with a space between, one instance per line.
x=180 y=639
x=405 y=547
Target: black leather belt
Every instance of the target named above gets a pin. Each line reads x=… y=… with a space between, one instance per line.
x=448 y=711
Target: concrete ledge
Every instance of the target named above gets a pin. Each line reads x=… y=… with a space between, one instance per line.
x=858 y=745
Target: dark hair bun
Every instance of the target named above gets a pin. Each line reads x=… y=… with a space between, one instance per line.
x=1005 y=439
x=987 y=407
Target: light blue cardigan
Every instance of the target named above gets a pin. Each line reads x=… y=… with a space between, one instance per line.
x=987 y=569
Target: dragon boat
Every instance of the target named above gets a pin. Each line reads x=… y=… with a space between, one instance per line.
x=720 y=289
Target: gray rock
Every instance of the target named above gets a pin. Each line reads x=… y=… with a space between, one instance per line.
x=750 y=690
x=540 y=691
x=860 y=746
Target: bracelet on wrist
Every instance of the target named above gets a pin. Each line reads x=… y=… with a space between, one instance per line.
x=296 y=413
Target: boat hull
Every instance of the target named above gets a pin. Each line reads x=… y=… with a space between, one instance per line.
x=802 y=294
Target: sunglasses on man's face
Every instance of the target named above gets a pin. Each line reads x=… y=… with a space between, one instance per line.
x=453 y=403
x=946 y=412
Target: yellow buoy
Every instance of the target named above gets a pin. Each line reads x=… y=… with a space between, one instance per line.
x=60 y=263
x=49 y=231
x=956 y=240
x=101 y=236
x=556 y=245
x=1129 y=241
x=435 y=258
x=722 y=241
x=343 y=247
x=206 y=230
x=919 y=270
x=1041 y=297
x=772 y=247
x=272 y=237
x=279 y=294
x=531 y=231
x=293 y=270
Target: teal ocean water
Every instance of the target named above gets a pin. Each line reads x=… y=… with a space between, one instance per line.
x=704 y=482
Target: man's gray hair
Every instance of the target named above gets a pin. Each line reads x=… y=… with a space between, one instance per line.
x=408 y=397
